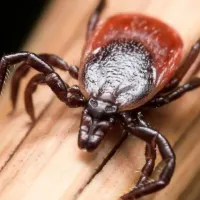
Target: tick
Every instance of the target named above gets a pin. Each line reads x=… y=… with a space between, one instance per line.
x=130 y=62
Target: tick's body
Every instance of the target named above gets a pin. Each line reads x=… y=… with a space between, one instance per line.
x=130 y=62
x=128 y=59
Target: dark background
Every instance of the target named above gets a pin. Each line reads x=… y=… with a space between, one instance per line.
x=16 y=21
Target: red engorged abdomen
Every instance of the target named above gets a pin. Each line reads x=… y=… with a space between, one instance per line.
x=162 y=41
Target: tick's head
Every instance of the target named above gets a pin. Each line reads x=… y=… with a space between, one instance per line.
x=97 y=118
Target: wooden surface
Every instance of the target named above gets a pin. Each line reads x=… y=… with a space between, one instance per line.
x=42 y=161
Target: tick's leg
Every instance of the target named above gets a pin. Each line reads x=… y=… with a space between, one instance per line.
x=71 y=96
x=59 y=63
x=150 y=154
x=30 y=89
x=185 y=66
x=189 y=60
x=29 y=59
x=64 y=92
x=94 y=18
x=20 y=72
x=23 y=69
x=52 y=79
x=150 y=136
x=158 y=101
x=150 y=151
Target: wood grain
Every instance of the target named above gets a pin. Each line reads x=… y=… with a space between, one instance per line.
x=42 y=160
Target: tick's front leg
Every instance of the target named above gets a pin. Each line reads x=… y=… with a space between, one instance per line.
x=52 y=60
x=30 y=89
x=151 y=136
x=150 y=155
x=28 y=58
x=48 y=76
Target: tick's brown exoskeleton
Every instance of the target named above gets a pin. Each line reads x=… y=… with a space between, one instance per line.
x=130 y=62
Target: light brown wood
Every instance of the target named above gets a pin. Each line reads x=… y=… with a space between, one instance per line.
x=42 y=160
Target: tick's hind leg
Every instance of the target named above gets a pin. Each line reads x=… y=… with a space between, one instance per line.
x=189 y=61
x=94 y=18
x=23 y=69
x=185 y=66
x=164 y=99
x=72 y=96
x=172 y=90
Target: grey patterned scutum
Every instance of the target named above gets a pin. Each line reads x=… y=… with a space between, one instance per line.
x=121 y=71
